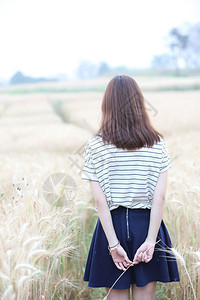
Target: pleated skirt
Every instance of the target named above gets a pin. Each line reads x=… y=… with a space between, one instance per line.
x=131 y=227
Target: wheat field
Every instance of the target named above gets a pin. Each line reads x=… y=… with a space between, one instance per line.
x=43 y=246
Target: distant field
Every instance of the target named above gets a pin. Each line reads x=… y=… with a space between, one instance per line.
x=148 y=83
x=43 y=130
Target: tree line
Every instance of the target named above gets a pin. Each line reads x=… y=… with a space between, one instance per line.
x=183 y=49
x=182 y=52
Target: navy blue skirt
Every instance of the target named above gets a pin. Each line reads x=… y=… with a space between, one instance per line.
x=131 y=227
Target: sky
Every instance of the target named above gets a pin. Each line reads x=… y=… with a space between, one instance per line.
x=50 y=37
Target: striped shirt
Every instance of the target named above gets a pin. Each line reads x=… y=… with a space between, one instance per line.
x=127 y=177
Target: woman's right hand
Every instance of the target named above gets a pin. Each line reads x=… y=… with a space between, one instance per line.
x=144 y=253
x=120 y=258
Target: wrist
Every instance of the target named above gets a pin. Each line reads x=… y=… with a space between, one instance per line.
x=150 y=240
x=113 y=242
x=114 y=247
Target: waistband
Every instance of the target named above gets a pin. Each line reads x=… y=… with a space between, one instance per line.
x=124 y=208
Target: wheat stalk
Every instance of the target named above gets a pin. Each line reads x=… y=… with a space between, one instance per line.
x=124 y=272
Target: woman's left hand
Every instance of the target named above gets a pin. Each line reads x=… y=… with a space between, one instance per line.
x=120 y=258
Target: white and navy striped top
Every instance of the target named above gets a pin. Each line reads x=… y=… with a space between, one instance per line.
x=127 y=177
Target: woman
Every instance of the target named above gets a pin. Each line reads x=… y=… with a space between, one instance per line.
x=126 y=162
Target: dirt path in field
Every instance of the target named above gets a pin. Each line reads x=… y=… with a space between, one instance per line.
x=35 y=138
x=35 y=142
x=30 y=123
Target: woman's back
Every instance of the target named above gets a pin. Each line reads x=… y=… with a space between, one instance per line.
x=127 y=177
x=126 y=162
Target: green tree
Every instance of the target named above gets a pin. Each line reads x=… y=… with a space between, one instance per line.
x=86 y=69
x=178 y=44
x=104 y=68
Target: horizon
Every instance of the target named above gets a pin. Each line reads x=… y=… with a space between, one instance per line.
x=48 y=38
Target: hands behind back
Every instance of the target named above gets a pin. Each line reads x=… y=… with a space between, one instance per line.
x=144 y=253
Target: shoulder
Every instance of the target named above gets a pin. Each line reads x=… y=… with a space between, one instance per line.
x=163 y=147
x=162 y=142
x=161 y=139
x=93 y=142
x=158 y=146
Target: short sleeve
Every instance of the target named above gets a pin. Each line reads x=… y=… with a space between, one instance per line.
x=88 y=169
x=165 y=161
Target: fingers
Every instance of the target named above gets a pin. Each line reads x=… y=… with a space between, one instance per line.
x=136 y=257
x=135 y=262
x=120 y=266
x=117 y=265
x=123 y=265
x=127 y=260
x=142 y=257
x=148 y=258
x=121 y=259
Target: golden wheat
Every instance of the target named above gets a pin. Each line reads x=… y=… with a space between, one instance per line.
x=43 y=248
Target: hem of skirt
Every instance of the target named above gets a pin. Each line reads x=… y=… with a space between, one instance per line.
x=158 y=280
x=93 y=285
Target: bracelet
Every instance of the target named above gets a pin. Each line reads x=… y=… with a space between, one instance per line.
x=113 y=247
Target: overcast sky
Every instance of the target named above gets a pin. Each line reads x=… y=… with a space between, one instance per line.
x=48 y=37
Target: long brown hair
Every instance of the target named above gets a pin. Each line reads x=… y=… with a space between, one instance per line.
x=124 y=120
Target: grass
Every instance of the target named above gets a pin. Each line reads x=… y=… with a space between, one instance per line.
x=44 y=248
x=21 y=91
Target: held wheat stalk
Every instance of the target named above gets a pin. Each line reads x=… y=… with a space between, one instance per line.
x=124 y=272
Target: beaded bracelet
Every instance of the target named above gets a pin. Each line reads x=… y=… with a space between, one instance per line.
x=113 y=247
